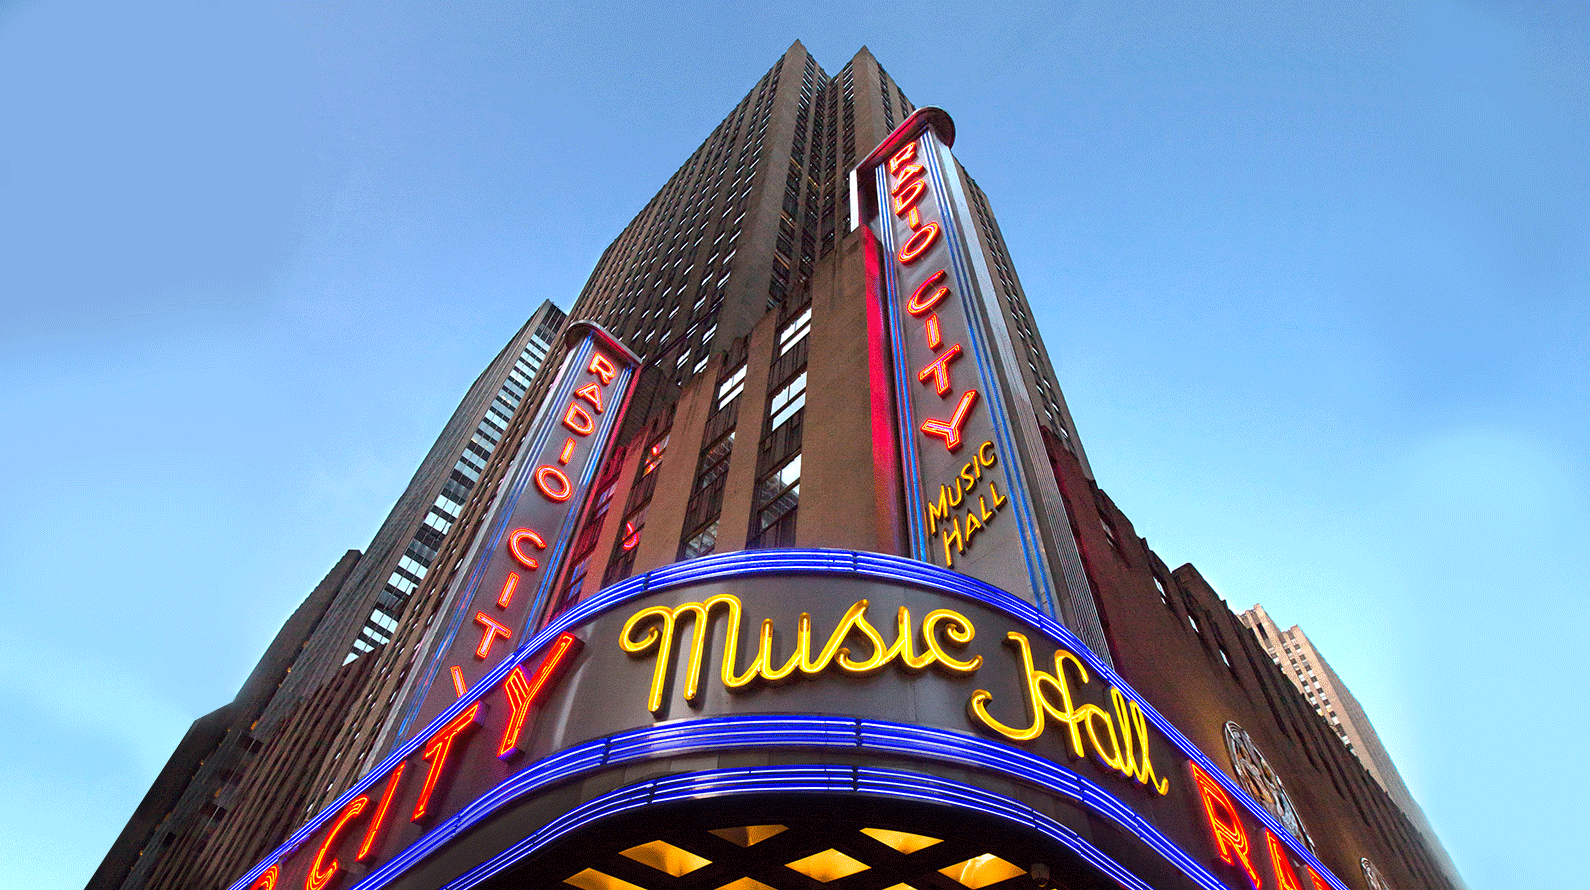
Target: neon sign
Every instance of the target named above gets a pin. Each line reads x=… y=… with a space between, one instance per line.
x=508 y=589
x=1117 y=738
x=959 y=387
x=488 y=754
x=907 y=191
x=940 y=628
x=959 y=531
x=1235 y=846
x=353 y=841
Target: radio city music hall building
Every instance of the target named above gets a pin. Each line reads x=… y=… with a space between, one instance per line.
x=788 y=571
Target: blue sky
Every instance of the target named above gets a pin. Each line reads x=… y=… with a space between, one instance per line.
x=1316 y=281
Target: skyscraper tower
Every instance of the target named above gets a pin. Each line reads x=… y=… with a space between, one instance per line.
x=791 y=571
x=712 y=283
x=1294 y=653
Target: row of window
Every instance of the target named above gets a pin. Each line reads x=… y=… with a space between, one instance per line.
x=1047 y=393
x=649 y=268
x=422 y=549
x=776 y=502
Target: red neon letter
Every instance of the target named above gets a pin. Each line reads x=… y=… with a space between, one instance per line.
x=523 y=693
x=904 y=178
x=905 y=154
x=919 y=242
x=1284 y=875
x=568 y=452
x=267 y=880
x=602 y=368
x=631 y=536
x=939 y=369
x=493 y=630
x=508 y=587
x=516 y=547
x=553 y=483
x=934 y=336
x=1231 y=840
x=1319 y=882
x=458 y=680
x=380 y=812
x=907 y=199
x=591 y=393
x=436 y=752
x=921 y=301
x=578 y=420
x=318 y=879
x=950 y=431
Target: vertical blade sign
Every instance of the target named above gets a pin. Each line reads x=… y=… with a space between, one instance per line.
x=965 y=500
x=517 y=554
x=979 y=495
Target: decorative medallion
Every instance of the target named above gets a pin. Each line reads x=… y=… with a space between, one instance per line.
x=1261 y=782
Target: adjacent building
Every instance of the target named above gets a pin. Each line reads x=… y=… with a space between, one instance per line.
x=1295 y=655
x=241 y=775
x=788 y=572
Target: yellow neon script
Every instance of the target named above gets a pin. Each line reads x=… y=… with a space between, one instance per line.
x=940 y=628
x=946 y=510
x=1119 y=741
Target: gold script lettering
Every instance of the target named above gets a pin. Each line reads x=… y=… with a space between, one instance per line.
x=1119 y=741
x=652 y=631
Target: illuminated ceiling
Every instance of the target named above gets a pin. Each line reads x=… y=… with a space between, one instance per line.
x=671 y=851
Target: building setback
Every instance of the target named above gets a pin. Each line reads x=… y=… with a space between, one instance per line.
x=790 y=572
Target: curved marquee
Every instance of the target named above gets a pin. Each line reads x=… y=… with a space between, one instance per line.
x=1117 y=796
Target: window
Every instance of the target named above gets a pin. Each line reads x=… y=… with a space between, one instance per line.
x=706 y=498
x=654 y=454
x=629 y=535
x=701 y=543
x=788 y=400
x=731 y=387
x=778 y=498
x=1109 y=532
x=571 y=591
x=794 y=331
x=781 y=480
x=715 y=460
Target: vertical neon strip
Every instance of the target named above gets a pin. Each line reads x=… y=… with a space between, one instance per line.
x=886 y=479
x=552 y=567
